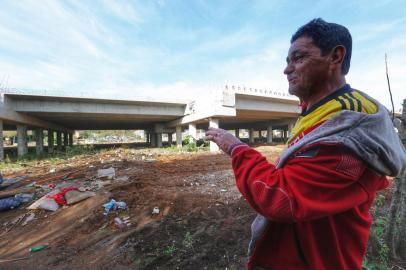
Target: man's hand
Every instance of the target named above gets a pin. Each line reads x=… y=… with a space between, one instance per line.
x=223 y=139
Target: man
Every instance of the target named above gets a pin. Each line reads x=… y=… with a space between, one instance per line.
x=313 y=204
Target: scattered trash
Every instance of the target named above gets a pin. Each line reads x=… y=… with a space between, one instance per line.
x=51 y=186
x=119 y=223
x=9 y=203
x=113 y=205
x=109 y=173
x=25 y=197
x=74 y=196
x=30 y=218
x=45 y=203
x=122 y=178
x=100 y=184
x=13 y=192
x=52 y=170
x=155 y=211
x=60 y=196
x=32 y=184
x=223 y=190
x=122 y=223
x=38 y=248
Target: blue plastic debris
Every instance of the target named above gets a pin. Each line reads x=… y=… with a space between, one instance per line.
x=113 y=205
x=9 y=203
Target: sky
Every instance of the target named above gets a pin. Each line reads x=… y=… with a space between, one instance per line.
x=183 y=49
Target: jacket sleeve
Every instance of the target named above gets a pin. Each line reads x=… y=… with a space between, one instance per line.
x=321 y=181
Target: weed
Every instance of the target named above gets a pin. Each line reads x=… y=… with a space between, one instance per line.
x=169 y=250
x=188 y=240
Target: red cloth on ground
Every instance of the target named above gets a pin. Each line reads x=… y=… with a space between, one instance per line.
x=60 y=196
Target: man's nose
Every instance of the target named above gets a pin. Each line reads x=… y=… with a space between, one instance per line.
x=288 y=69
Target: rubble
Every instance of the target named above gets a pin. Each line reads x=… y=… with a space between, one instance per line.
x=109 y=173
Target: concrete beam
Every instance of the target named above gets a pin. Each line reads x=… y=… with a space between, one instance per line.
x=1 y=141
x=214 y=123
x=39 y=141
x=8 y=113
x=265 y=104
x=85 y=106
x=218 y=112
x=22 y=147
x=50 y=141
x=178 y=136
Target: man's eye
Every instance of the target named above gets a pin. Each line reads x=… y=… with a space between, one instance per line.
x=297 y=58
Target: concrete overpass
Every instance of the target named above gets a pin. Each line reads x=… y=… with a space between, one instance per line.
x=232 y=108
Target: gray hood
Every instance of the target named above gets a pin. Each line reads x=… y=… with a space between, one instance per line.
x=371 y=137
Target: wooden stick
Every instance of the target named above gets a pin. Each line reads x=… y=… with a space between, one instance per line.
x=16 y=259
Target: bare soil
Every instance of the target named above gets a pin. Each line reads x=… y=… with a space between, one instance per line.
x=203 y=222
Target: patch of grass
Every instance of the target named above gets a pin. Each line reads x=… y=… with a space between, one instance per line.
x=188 y=241
x=169 y=250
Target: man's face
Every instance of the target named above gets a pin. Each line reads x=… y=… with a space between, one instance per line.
x=307 y=71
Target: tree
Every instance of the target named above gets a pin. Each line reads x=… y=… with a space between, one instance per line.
x=396 y=226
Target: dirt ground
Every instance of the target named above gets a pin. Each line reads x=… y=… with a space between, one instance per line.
x=203 y=222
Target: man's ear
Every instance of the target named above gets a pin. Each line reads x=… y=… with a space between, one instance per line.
x=337 y=56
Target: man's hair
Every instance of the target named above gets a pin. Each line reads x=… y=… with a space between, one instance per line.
x=326 y=36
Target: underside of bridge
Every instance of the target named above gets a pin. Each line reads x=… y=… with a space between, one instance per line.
x=59 y=117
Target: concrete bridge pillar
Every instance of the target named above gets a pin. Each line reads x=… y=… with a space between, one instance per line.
x=285 y=135
x=192 y=131
x=237 y=133
x=1 y=141
x=178 y=136
x=50 y=141
x=214 y=123
x=269 y=134
x=153 y=139
x=251 y=135
x=170 y=138
x=22 y=147
x=70 y=139
x=39 y=141
x=59 y=141
x=158 y=140
x=290 y=127
x=147 y=136
x=65 y=139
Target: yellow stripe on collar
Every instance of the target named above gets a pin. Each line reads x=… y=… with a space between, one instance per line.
x=350 y=100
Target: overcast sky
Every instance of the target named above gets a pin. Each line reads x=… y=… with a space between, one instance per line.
x=182 y=49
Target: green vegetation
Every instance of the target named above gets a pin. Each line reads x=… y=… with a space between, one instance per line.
x=188 y=241
x=31 y=158
x=169 y=250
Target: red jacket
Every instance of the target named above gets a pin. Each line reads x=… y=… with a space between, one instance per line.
x=318 y=203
